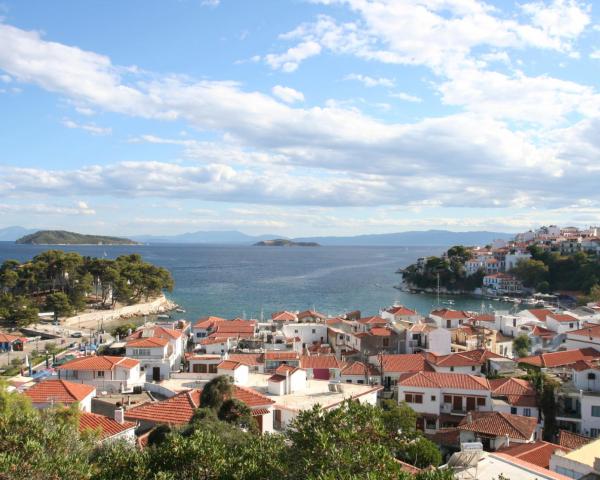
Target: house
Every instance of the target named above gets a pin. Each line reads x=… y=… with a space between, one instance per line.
x=8 y=343
x=474 y=362
x=307 y=333
x=572 y=441
x=424 y=337
x=447 y=318
x=514 y=396
x=311 y=316
x=442 y=399
x=255 y=361
x=156 y=356
x=177 y=339
x=287 y=380
x=539 y=453
x=108 y=429
x=284 y=317
x=236 y=371
x=274 y=359
x=502 y=284
x=562 y=322
x=560 y=359
x=321 y=367
x=585 y=337
x=113 y=374
x=216 y=345
x=400 y=313
x=394 y=366
x=203 y=363
x=179 y=409
x=496 y=430
x=360 y=373
x=50 y=392
x=579 y=462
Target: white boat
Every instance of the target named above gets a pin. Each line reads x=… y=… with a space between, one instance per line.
x=180 y=310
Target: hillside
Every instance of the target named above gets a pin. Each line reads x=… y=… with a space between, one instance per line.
x=281 y=242
x=60 y=237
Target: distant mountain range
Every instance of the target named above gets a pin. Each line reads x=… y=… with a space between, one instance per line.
x=434 y=238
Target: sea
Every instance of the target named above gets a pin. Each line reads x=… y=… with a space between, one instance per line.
x=252 y=282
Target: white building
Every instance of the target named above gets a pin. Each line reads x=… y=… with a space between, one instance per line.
x=52 y=392
x=562 y=322
x=156 y=355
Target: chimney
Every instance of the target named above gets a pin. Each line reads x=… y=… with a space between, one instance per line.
x=120 y=415
x=507 y=440
x=469 y=417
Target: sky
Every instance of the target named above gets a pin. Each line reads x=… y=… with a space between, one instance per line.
x=299 y=117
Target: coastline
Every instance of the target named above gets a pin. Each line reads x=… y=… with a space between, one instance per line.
x=88 y=320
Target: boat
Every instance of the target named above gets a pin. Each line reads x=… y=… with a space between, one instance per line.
x=163 y=316
x=180 y=310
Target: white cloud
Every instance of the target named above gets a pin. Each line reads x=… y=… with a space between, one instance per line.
x=289 y=61
x=287 y=94
x=90 y=127
x=407 y=97
x=44 y=209
x=370 y=81
x=595 y=55
x=210 y=3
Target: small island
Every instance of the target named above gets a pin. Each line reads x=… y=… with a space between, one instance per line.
x=282 y=242
x=61 y=237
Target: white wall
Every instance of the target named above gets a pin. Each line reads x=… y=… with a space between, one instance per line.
x=308 y=332
x=438 y=341
x=589 y=422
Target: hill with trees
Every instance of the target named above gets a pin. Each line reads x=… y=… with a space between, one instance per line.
x=61 y=237
x=66 y=282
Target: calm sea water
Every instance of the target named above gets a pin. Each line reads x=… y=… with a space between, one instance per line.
x=238 y=281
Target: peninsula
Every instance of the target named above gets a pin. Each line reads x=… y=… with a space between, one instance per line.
x=61 y=237
x=282 y=242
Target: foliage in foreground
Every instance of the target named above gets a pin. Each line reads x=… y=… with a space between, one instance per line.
x=352 y=442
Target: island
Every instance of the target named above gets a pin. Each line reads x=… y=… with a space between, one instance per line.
x=282 y=242
x=61 y=237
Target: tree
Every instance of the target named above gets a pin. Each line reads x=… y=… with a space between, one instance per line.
x=530 y=272
x=17 y=311
x=237 y=413
x=123 y=330
x=214 y=392
x=522 y=345
x=421 y=453
x=60 y=304
x=399 y=419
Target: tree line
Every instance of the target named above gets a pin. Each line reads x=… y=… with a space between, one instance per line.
x=354 y=441
x=62 y=282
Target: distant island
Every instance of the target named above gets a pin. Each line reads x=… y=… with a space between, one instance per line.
x=281 y=242
x=60 y=237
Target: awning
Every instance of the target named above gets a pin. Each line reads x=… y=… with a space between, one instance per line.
x=259 y=411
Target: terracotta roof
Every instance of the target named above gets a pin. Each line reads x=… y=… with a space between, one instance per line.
x=276 y=378
x=499 y=424
x=558 y=359
x=235 y=327
x=422 y=327
x=57 y=391
x=374 y=320
x=283 y=316
x=464 y=359
x=319 y=361
x=538 y=453
x=229 y=365
x=250 y=359
x=563 y=317
x=444 y=380
x=156 y=331
x=448 y=314
x=381 y=332
x=107 y=427
x=571 y=440
x=6 y=338
x=543 y=332
x=540 y=313
x=178 y=410
x=405 y=363
x=208 y=322
x=275 y=355
x=283 y=369
x=99 y=362
x=589 y=330
x=485 y=317
x=149 y=342
x=517 y=392
x=359 y=368
x=402 y=311
x=213 y=340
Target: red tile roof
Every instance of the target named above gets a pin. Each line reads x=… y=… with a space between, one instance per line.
x=485 y=317
x=405 y=363
x=148 y=342
x=59 y=391
x=559 y=359
x=499 y=424
x=283 y=369
x=538 y=453
x=543 y=332
x=517 y=392
x=319 y=361
x=540 y=313
x=402 y=311
x=208 y=322
x=563 y=317
x=381 y=332
x=287 y=355
x=359 y=368
x=310 y=313
x=156 y=331
x=250 y=359
x=448 y=314
x=6 y=338
x=99 y=362
x=464 y=359
x=276 y=378
x=375 y=320
x=589 y=330
x=178 y=410
x=229 y=365
x=444 y=380
x=107 y=427
x=284 y=316
x=572 y=441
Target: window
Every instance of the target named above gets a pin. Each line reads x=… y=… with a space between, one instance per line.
x=513 y=410
x=451 y=369
x=480 y=402
x=413 y=398
x=430 y=424
x=591 y=376
x=594 y=432
x=386 y=342
x=199 y=368
x=360 y=382
x=596 y=411
x=314 y=330
x=473 y=368
x=100 y=373
x=447 y=399
x=295 y=331
x=570 y=325
x=433 y=398
x=527 y=412
x=212 y=368
x=349 y=380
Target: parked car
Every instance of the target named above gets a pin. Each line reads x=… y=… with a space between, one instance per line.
x=77 y=335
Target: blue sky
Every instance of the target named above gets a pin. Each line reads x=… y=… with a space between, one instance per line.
x=299 y=117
